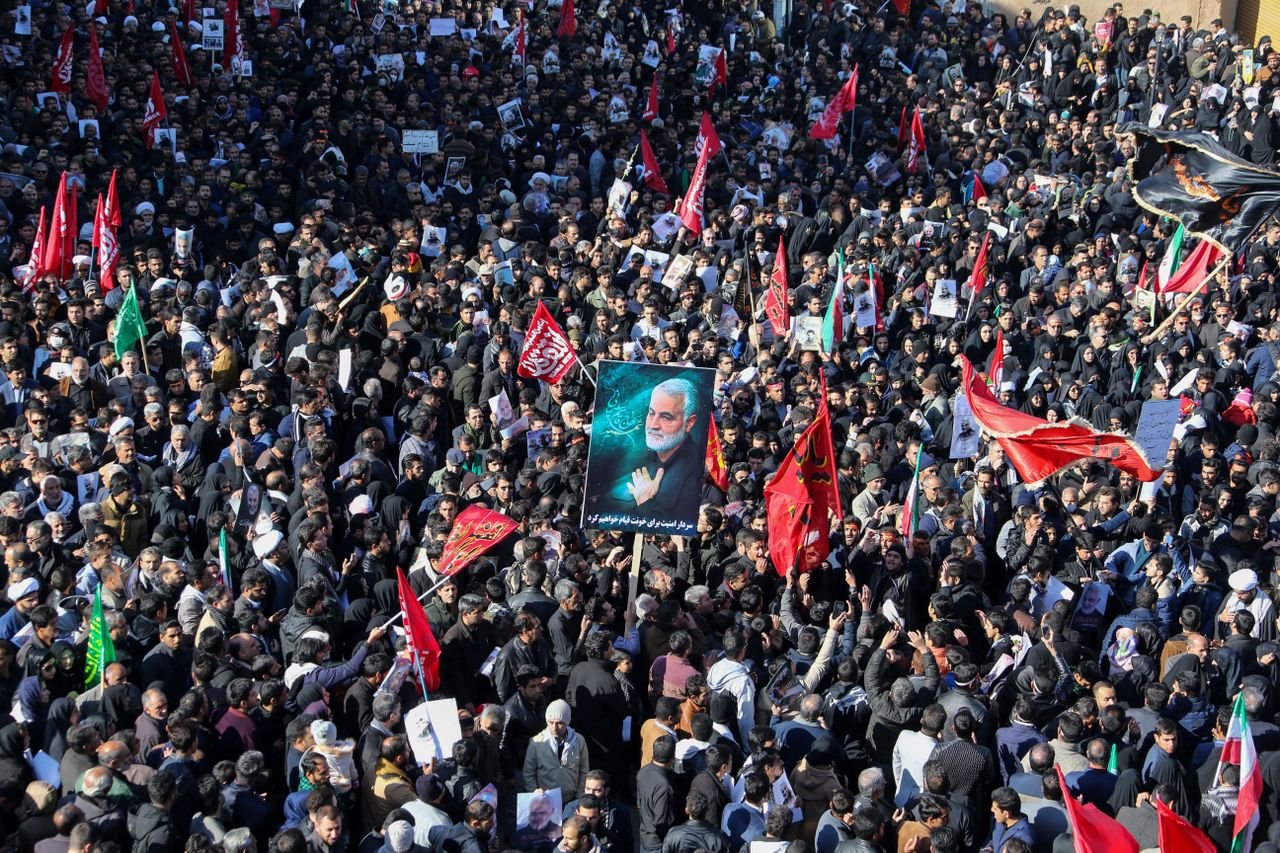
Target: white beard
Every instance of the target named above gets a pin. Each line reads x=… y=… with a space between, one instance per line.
x=662 y=443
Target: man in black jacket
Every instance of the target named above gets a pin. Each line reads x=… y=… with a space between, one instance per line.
x=528 y=646
x=697 y=833
x=656 y=795
x=463 y=652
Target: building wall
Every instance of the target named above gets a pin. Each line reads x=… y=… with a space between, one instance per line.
x=1201 y=11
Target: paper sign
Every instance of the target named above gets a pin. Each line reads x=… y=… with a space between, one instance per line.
x=346 y=274
x=1155 y=429
x=677 y=271
x=443 y=26
x=433 y=729
x=213 y=34
x=619 y=194
x=391 y=64
x=944 y=302
x=965 y=434
x=1184 y=383
x=344 y=369
x=864 y=309
x=420 y=141
x=809 y=333
x=22 y=27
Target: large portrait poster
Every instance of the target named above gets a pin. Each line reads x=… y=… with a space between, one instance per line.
x=648 y=448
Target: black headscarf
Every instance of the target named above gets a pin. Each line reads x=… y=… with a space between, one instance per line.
x=61 y=710
x=121 y=705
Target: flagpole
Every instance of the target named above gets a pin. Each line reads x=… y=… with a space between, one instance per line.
x=421 y=598
x=1192 y=295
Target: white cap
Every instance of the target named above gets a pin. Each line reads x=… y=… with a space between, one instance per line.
x=360 y=505
x=1243 y=580
x=559 y=711
x=325 y=732
x=19 y=590
x=266 y=544
x=282 y=228
x=395 y=287
x=119 y=425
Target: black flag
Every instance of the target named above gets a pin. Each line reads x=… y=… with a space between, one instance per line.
x=1192 y=178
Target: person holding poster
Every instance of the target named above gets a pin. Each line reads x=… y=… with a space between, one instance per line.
x=648 y=449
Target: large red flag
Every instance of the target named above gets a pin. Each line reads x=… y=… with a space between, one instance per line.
x=35 y=262
x=73 y=227
x=801 y=498
x=474 y=532
x=903 y=129
x=113 y=202
x=63 y=62
x=1191 y=274
x=690 y=209
x=707 y=137
x=230 y=33
x=96 y=79
x=716 y=468
x=55 y=241
x=651 y=110
x=547 y=354
x=652 y=175
x=104 y=240
x=155 y=111
x=1091 y=830
x=776 y=299
x=844 y=101
x=1037 y=448
x=915 y=144
x=1177 y=835
x=181 y=68
x=568 y=26
x=978 y=276
x=419 y=639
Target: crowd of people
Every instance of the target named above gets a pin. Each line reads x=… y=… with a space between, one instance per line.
x=337 y=237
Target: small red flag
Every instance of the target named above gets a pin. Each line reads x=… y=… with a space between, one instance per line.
x=776 y=298
x=1091 y=830
x=73 y=228
x=844 y=101
x=915 y=144
x=419 y=638
x=547 y=354
x=521 y=44
x=716 y=469
x=690 y=207
x=181 y=68
x=55 y=241
x=113 y=202
x=903 y=130
x=903 y=6
x=651 y=108
x=979 y=191
x=721 y=77
x=568 y=27
x=35 y=261
x=96 y=79
x=978 y=277
x=474 y=532
x=801 y=498
x=63 y=62
x=1037 y=448
x=707 y=137
x=155 y=111
x=671 y=41
x=651 y=171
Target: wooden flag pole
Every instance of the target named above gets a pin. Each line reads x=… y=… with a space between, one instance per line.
x=1218 y=268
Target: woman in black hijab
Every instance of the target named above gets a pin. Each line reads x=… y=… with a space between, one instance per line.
x=63 y=714
x=13 y=764
x=121 y=705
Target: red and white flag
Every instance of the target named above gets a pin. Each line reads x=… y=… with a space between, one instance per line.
x=915 y=144
x=232 y=45
x=844 y=101
x=181 y=68
x=996 y=374
x=155 y=112
x=776 y=298
x=63 y=62
x=521 y=43
x=651 y=108
x=690 y=208
x=568 y=26
x=96 y=78
x=546 y=354
x=35 y=263
x=56 y=259
x=1240 y=752
x=104 y=237
x=650 y=171
x=716 y=469
x=707 y=137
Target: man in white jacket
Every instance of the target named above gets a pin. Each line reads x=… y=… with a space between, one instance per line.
x=732 y=674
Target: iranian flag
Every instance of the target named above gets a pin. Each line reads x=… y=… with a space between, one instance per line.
x=911 y=505
x=224 y=558
x=1171 y=260
x=996 y=374
x=1238 y=750
x=833 y=322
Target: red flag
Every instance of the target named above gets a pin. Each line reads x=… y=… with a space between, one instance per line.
x=721 y=76
x=188 y=12
x=671 y=41
x=104 y=240
x=979 y=191
x=716 y=469
x=690 y=208
x=55 y=241
x=522 y=43
x=707 y=137
x=776 y=298
x=903 y=6
x=1037 y=448
x=474 y=532
x=155 y=111
x=60 y=73
x=651 y=108
x=418 y=636
x=1091 y=830
x=844 y=101
x=978 y=277
x=96 y=79
x=73 y=227
x=568 y=27
x=113 y=202
x=915 y=144
x=802 y=496
x=181 y=68
x=652 y=172
x=35 y=261
x=902 y=127
x=546 y=354
x=1194 y=269
x=996 y=373
x=1177 y=835
x=230 y=32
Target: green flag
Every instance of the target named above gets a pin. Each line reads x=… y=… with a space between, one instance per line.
x=833 y=322
x=102 y=650
x=1171 y=260
x=129 y=326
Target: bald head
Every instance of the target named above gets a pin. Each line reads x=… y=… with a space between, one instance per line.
x=97 y=781
x=114 y=754
x=1197 y=643
x=115 y=673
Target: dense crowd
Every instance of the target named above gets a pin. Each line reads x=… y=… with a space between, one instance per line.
x=337 y=241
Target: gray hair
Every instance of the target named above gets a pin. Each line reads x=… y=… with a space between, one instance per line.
x=693 y=595
x=179 y=430
x=372 y=387
x=153 y=409
x=871 y=782
x=9 y=499
x=565 y=589
x=494 y=714
x=681 y=388
x=88 y=512
x=239 y=840
x=250 y=764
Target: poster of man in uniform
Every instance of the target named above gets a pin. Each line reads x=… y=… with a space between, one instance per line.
x=648 y=448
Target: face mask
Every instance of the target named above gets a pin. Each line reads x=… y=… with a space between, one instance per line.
x=57 y=341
